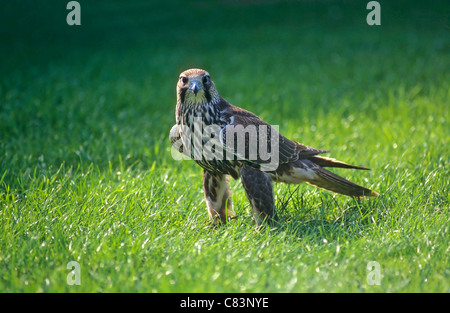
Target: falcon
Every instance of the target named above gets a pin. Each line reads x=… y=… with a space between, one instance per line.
x=226 y=140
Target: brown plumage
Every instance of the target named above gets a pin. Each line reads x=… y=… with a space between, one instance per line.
x=236 y=139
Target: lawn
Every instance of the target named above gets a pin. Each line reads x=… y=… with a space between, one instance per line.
x=86 y=172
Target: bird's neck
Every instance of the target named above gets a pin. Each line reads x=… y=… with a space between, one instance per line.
x=210 y=112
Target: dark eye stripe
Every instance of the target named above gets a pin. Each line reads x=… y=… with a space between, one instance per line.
x=182 y=94
x=207 y=95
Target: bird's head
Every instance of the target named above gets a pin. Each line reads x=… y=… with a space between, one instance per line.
x=195 y=88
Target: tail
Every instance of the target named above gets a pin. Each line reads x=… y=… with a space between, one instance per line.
x=311 y=171
x=330 y=181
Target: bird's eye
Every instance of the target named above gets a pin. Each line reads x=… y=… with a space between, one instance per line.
x=184 y=79
x=206 y=80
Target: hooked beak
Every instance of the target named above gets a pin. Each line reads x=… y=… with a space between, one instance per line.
x=194 y=87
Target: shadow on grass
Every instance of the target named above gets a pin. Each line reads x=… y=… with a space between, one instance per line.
x=325 y=219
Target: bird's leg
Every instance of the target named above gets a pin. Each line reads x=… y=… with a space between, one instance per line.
x=259 y=191
x=218 y=197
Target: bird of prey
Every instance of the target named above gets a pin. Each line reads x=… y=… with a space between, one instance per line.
x=236 y=140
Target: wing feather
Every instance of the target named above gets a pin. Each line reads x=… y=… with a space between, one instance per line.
x=240 y=120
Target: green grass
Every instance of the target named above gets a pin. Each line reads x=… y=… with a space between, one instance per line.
x=86 y=172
